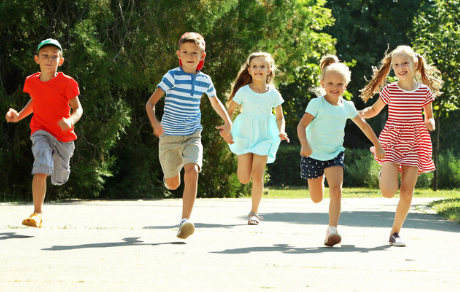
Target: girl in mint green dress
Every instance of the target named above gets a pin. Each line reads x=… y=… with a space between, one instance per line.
x=256 y=133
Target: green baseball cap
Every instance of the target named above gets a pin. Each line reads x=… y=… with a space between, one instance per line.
x=49 y=42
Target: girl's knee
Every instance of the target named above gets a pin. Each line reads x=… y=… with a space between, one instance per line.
x=244 y=179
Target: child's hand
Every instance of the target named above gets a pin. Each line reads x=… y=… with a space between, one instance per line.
x=379 y=152
x=158 y=130
x=12 y=116
x=224 y=130
x=65 y=124
x=228 y=138
x=284 y=136
x=306 y=151
x=430 y=125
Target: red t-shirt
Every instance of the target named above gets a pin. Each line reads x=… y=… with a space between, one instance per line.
x=51 y=103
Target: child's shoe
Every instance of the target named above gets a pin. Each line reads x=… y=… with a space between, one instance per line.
x=332 y=236
x=186 y=228
x=395 y=240
x=34 y=220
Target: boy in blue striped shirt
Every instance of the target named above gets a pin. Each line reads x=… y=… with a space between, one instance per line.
x=180 y=127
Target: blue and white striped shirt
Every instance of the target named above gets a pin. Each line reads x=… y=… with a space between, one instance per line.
x=182 y=115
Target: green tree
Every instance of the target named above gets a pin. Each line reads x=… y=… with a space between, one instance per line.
x=436 y=34
x=118 y=51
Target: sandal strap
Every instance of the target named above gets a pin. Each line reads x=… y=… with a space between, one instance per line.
x=252 y=214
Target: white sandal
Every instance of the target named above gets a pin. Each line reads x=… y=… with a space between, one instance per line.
x=254 y=219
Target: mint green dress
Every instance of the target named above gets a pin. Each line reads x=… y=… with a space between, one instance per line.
x=255 y=129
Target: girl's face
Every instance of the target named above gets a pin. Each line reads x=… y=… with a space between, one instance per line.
x=403 y=66
x=259 y=69
x=334 y=83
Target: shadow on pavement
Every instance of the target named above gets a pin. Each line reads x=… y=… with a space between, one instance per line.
x=197 y=225
x=286 y=248
x=11 y=235
x=128 y=241
x=367 y=219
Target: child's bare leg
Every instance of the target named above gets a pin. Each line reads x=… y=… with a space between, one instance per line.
x=409 y=175
x=173 y=182
x=334 y=176
x=190 y=189
x=39 y=191
x=245 y=167
x=258 y=170
x=389 y=179
x=316 y=188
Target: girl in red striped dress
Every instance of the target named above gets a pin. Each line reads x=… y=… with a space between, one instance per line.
x=405 y=137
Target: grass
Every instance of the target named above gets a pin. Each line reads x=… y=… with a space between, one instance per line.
x=302 y=193
x=447 y=207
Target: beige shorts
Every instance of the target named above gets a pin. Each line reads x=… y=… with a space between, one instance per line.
x=177 y=151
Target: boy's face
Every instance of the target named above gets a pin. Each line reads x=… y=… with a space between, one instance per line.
x=49 y=58
x=190 y=55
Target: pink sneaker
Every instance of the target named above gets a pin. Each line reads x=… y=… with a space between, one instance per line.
x=332 y=236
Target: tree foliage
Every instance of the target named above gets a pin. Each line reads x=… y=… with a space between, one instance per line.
x=118 y=51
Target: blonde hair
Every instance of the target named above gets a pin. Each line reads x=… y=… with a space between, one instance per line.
x=426 y=73
x=331 y=63
x=244 y=78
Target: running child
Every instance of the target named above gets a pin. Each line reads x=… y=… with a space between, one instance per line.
x=56 y=109
x=405 y=137
x=321 y=133
x=256 y=132
x=180 y=128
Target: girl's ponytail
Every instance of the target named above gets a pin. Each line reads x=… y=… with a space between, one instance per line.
x=378 y=80
x=430 y=75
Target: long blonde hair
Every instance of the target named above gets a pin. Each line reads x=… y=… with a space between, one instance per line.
x=244 y=78
x=426 y=73
x=331 y=63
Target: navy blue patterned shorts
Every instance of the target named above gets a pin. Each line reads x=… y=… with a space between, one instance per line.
x=311 y=168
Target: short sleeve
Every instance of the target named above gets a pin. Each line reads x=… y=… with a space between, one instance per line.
x=72 y=89
x=277 y=98
x=385 y=95
x=429 y=97
x=313 y=107
x=211 y=92
x=167 y=82
x=239 y=96
x=351 y=110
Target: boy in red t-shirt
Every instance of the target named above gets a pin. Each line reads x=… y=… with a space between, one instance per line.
x=53 y=95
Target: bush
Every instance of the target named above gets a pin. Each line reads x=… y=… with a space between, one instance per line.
x=449 y=170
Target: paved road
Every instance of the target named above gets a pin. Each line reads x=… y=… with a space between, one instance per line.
x=131 y=246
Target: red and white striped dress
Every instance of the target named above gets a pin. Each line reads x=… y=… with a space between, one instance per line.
x=405 y=138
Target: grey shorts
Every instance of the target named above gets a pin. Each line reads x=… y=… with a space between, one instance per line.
x=52 y=157
x=177 y=151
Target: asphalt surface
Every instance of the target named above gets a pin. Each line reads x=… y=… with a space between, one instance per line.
x=132 y=246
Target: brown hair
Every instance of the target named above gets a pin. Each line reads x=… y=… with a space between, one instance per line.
x=244 y=78
x=426 y=73
x=193 y=37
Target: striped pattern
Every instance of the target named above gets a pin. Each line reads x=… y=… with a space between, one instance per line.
x=405 y=137
x=182 y=115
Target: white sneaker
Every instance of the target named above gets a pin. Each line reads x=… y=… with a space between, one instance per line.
x=186 y=228
x=395 y=240
x=332 y=236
